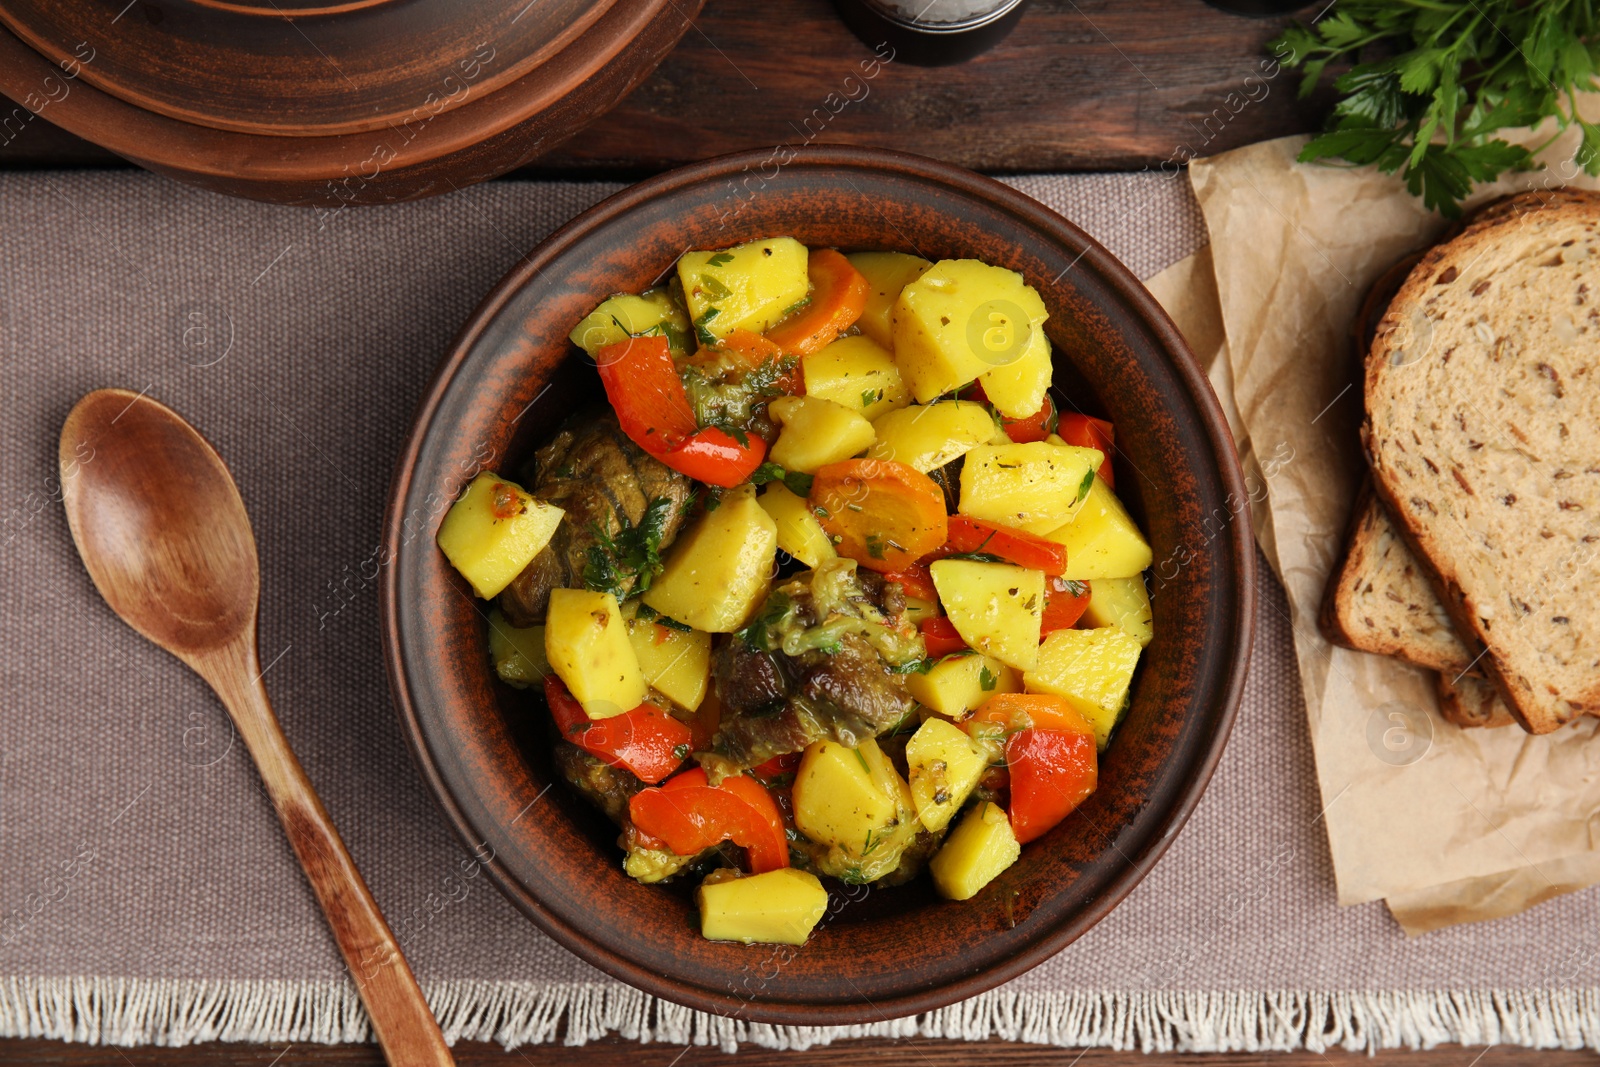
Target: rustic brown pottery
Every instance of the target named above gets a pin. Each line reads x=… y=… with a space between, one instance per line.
x=512 y=377
x=326 y=104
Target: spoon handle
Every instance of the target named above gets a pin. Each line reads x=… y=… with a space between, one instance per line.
x=400 y=1016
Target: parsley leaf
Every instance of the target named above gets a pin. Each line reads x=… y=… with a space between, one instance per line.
x=1431 y=85
x=797 y=482
x=721 y=259
x=628 y=561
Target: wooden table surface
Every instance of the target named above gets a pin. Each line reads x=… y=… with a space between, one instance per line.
x=1080 y=85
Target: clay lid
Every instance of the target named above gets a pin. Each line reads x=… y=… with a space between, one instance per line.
x=301 y=67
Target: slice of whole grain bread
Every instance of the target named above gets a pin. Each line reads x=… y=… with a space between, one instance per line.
x=1483 y=435
x=1470 y=701
x=1378 y=599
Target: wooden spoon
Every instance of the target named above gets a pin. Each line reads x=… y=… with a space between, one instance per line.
x=162 y=529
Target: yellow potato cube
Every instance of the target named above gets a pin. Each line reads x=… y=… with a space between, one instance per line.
x=960 y=320
x=675 y=663
x=816 y=432
x=1121 y=602
x=887 y=273
x=747 y=287
x=857 y=372
x=977 y=850
x=586 y=642
x=799 y=532
x=945 y=767
x=1017 y=390
x=779 y=907
x=995 y=607
x=625 y=315
x=956 y=686
x=1092 y=669
x=517 y=652
x=837 y=798
x=1036 y=486
x=1102 y=539
x=928 y=437
x=494 y=531
x=917 y=610
x=719 y=570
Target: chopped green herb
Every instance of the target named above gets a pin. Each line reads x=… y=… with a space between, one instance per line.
x=974 y=557
x=649 y=614
x=874 y=544
x=916 y=666
x=987 y=679
x=628 y=560
x=1076 y=588
x=863 y=761
x=798 y=305
x=681 y=752
x=721 y=259
x=714 y=287
x=706 y=337
x=797 y=482
x=870 y=397
x=1084 y=487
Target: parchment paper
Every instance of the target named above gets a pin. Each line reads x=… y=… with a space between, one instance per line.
x=1449 y=825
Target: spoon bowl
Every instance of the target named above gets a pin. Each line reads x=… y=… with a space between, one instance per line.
x=166 y=539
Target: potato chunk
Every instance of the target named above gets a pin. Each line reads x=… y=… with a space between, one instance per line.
x=995 y=607
x=977 y=850
x=799 y=532
x=855 y=801
x=494 y=531
x=779 y=907
x=1036 y=486
x=719 y=570
x=675 y=663
x=1102 y=539
x=945 y=766
x=816 y=432
x=929 y=436
x=586 y=641
x=1092 y=669
x=1121 y=602
x=963 y=319
x=887 y=273
x=747 y=287
x=1021 y=385
x=956 y=686
x=625 y=315
x=857 y=372
x=517 y=652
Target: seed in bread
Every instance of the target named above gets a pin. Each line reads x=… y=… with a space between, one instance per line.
x=1483 y=434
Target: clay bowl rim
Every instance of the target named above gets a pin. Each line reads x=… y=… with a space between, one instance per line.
x=1217 y=707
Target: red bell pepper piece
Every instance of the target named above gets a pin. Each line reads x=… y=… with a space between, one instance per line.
x=1065 y=601
x=1090 y=432
x=1035 y=427
x=643 y=386
x=653 y=409
x=838 y=297
x=776 y=767
x=646 y=741
x=940 y=637
x=1010 y=544
x=915 y=580
x=689 y=816
x=1052 y=772
x=714 y=457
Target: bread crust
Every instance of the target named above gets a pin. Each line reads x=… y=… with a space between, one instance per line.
x=1441 y=266
x=1471 y=702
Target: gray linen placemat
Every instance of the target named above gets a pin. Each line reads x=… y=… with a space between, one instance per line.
x=146 y=890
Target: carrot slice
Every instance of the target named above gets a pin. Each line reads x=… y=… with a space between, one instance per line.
x=1010 y=544
x=838 y=296
x=882 y=514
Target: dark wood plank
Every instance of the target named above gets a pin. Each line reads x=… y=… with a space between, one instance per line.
x=1079 y=85
x=618 y=1053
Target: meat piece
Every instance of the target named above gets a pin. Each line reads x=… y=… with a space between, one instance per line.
x=606 y=787
x=816 y=663
x=600 y=478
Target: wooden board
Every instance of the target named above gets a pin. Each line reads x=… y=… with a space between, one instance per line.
x=1079 y=85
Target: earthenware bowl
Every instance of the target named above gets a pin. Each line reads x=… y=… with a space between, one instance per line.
x=512 y=376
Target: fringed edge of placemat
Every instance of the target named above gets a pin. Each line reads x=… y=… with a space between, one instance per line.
x=122 y=1011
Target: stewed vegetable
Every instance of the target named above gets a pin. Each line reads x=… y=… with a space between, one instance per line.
x=832 y=588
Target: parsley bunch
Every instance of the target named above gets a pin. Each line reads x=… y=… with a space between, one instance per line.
x=1434 y=81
